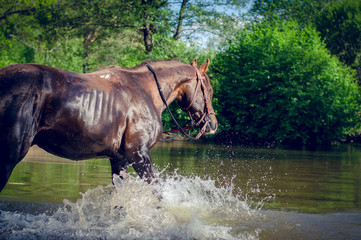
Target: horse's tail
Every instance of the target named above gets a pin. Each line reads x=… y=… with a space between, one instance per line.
x=21 y=100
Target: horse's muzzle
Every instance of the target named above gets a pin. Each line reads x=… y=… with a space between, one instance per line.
x=212 y=125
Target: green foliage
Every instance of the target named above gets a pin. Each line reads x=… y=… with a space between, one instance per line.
x=339 y=23
x=67 y=55
x=12 y=51
x=278 y=83
x=126 y=50
x=340 y=26
x=48 y=26
x=303 y=11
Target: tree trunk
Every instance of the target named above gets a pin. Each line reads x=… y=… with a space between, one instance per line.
x=147 y=34
x=148 y=39
x=89 y=38
x=180 y=20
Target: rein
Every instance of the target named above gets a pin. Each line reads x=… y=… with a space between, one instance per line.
x=206 y=112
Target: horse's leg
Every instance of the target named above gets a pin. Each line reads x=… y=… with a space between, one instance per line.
x=18 y=126
x=10 y=155
x=16 y=133
x=137 y=142
x=142 y=163
x=140 y=160
x=119 y=164
x=15 y=142
x=5 y=172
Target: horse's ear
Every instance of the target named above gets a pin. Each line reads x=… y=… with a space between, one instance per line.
x=194 y=63
x=204 y=67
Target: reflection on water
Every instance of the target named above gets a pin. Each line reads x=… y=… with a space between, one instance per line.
x=205 y=192
x=41 y=176
x=308 y=181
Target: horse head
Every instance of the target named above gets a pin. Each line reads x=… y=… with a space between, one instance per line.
x=197 y=100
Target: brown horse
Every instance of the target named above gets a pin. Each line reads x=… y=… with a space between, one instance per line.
x=114 y=112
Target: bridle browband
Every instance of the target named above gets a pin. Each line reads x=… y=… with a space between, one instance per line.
x=207 y=110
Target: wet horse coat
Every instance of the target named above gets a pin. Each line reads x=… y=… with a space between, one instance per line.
x=114 y=112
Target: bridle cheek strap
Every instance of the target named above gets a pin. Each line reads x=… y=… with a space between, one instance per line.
x=203 y=129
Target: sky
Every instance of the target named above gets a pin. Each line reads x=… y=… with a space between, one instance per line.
x=205 y=39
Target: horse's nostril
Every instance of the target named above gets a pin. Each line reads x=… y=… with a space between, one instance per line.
x=212 y=124
x=215 y=127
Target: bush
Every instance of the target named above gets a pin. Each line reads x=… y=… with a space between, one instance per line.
x=277 y=83
x=12 y=51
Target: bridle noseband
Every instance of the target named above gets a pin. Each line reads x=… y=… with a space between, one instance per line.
x=207 y=111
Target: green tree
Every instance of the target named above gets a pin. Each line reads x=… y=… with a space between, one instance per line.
x=303 y=11
x=95 y=20
x=339 y=23
x=22 y=30
x=45 y=28
x=277 y=83
x=218 y=16
x=340 y=26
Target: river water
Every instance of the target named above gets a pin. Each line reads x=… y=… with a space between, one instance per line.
x=204 y=192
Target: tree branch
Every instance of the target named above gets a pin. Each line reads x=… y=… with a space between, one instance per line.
x=30 y=46
x=180 y=20
x=22 y=12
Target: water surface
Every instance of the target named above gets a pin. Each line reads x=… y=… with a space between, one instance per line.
x=204 y=192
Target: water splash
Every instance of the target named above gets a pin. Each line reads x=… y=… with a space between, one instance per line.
x=177 y=207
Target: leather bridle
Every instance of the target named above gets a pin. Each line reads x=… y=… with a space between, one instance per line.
x=207 y=111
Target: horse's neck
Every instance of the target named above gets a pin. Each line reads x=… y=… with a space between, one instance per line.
x=171 y=84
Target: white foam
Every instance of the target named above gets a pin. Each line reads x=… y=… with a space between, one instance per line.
x=175 y=208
